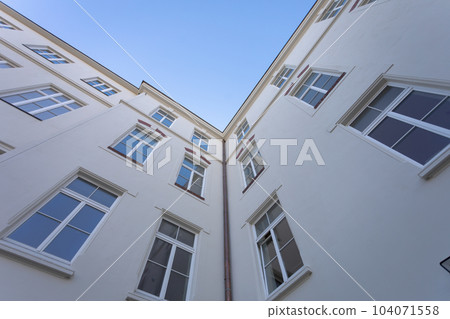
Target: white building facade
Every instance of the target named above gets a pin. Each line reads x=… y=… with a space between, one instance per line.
x=332 y=184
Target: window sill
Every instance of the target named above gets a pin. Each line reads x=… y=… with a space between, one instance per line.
x=139 y=296
x=297 y=279
x=188 y=191
x=35 y=259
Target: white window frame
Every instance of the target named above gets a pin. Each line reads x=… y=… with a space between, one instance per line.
x=242 y=130
x=333 y=9
x=44 y=96
x=175 y=244
x=200 y=138
x=164 y=115
x=258 y=242
x=5 y=24
x=407 y=89
x=102 y=86
x=251 y=152
x=38 y=255
x=5 y=61
x=5 y=148
x=146 y=131
x=282 y=76
x=58 y=59
x=311 y=87
x=191 y=175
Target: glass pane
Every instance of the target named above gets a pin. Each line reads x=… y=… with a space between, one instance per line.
x=122 y=148
x=49 y=91
x=274 y=212
x=168 y=228
x=441 y=115
x=418 y=104
x=311 y=78
x=30 y=107
x=197 y=180
x=67 y=243
x=200 y=169
x=196 y=189
x=309 y=96
x=34 y=230
x=61 y=98
x=44 y=115
x=74 y=106
x=385 y=97
x=204 y=145
x=45 y=103
x=274 y=277
x=82 y=187
x=330 y=83
x=261 y=225
x=389 y=131
x=268 y=250
x=182 y=261
x=323 y=78
x=186 y=237
x=183 y=182
x=59 y=110
x=300 y=92
x=31 y=95
x=184 y=172
x=188 y=163
x=87 y=218
x=152 y=278
x=167 y=122
x=60 y=206
x=282 y=233
x=195 y=139
x=157 y=116
x=291 y=258
x=421 y=145
x=13 y=99
x=160 y=252
x=365 y=119
x=177 y=287
x=103 y=197
x=317 y=99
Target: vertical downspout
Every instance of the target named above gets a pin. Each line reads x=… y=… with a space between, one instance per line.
x=226 y=229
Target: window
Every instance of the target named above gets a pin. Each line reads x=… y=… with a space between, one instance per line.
x=6 y=25
x=315 y=88
x=43 y=103
x=163 y=117
x=200 y=140
x=242 y=130
x=252 y=165
x=278 y=252
x=409 y=121
x=49 y=54
x=137 y=145
x=101 y=86
x=333 y=9
x=191 y=177
x=168 y=267
x=6 y=64
x=61 y=226
x=283 y=76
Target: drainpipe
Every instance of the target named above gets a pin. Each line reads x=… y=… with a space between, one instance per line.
x=226 y=229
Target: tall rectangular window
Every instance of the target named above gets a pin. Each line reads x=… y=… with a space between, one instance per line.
x=137 y=145
x=200 y=140
x=333 y=9
x=313 y=90
x=43 y=103
x=409 y=121
x=282 y=76
x=49 y=54
x=191 y=177
x=168 y=267
x=242 y=130
x=252 y=165
x=163 y=117
x=278 y=252
x=101 y=86
x=61 y=226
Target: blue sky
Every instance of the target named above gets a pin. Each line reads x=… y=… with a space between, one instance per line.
x=208 y=55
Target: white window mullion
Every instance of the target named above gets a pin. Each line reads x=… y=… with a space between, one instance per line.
x=165 y=282
x=278 y=253
x=426 y=126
